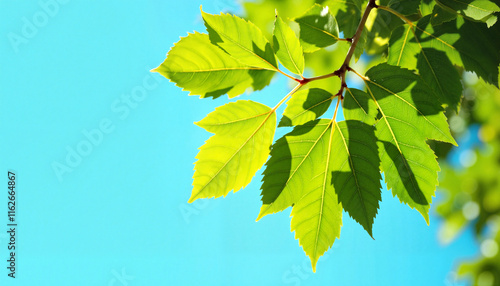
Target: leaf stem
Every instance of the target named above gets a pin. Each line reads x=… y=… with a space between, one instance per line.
x=334 y=118
x=358 y=74
x=396 y=13
x=289 y=76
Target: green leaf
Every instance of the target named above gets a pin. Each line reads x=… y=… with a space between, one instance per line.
x=318 y=28
x=381 y=23
x=468 y=44
x=295 y=159
x=240 y=39
x=355 y=171
x=426 y=7
x=379 y=26
x=360 y=46
x=306 y=105
x=438 y=72
x=440 y=16
x=208 y=71
x=479 y=10
x=300 y=173
x=347 y=13
x=244 y=131
x=287 y=47
x=441 y=76
x=357 y=105
x=405 y=7
x=409 y=116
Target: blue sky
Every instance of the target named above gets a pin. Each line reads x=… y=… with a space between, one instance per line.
x=104 y=150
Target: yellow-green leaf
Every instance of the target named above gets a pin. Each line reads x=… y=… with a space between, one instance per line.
x=244 y=132
x=203 y=69
x=479 y=10
x=357 y=105
x=241 y=39
x=409 y=116
x=306 y=105
x=287 y=47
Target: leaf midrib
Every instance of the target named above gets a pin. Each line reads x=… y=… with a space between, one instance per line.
x=245 y=48
x=296 y=169
x=358 y=189
x=396 y=141
x=323 y=189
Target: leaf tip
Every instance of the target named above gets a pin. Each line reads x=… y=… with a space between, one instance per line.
x=313 y=264
x=261 y=214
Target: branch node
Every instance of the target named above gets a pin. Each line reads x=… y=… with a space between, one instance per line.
x=303 y=81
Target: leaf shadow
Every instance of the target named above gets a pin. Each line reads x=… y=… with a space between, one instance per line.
x=466 y=38
x=312 y=27
x=356 y=190
x=260 y=77
x=396 y=81
x=405 y=173
x=313 y=102
x=281 y=158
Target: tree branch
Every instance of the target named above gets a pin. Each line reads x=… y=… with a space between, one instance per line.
x=354 y=41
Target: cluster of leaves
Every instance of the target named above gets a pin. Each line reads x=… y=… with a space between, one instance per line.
x=323 y=167
x=472 y=189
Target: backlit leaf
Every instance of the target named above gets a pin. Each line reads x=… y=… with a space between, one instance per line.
x=436 y=69
x=355 y=170
x=306 y=105
x=203 y=69
x=304 y=156
x=287 y=47
x=479 y=10
x=409 y=116
x=240 y=39
x=358 y=105
x=294 y=160
x=244 y=132
x=468 y=44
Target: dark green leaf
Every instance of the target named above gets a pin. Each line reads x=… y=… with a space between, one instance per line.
x=356 y=175
x=318 y=28
x=347 y=13
x=440 y=16
x=434 y=66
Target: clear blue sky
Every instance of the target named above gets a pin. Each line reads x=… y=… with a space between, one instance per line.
x=117 y=214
